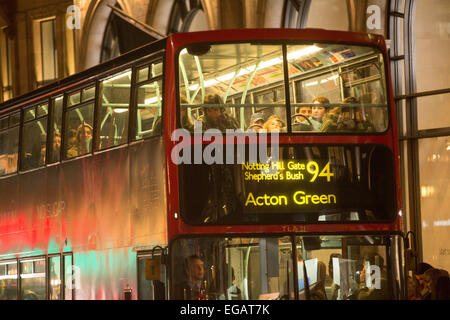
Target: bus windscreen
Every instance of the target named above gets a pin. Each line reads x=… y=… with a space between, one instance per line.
x=308 y=184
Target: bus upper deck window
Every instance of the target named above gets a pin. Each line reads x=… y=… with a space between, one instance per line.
x=233 y=74
x=9 y=144
x=113 y=110
x=34 y=137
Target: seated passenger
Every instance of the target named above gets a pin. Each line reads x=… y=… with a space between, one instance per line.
x=273 y=124
x=378 y=287
x=330 y=120
x=215 y=117
x=256 y=122
x=317 y=113
x=301 y=113
x=72 y=144
x=352 y=119
x=84 y=139
x=193 y=287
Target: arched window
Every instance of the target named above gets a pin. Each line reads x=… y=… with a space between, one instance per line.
x=187 y=15
x=295 y=13
x=110 y=44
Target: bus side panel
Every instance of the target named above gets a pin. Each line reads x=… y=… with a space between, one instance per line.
x=148 y=198
x=103 y=208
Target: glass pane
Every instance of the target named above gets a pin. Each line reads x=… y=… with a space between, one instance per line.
x=14 y=120
x=145 y=286
x=114 y=105
x=433 y=111
x=88 y=94
x=29 y=114
x=232 y=269
x=432 y=45
x=48 y=50
x=42 y=110
x=32 y=277
x=434 y=164
x=309 y=184
x=3 y=123
x=55 y=278
x=79 y=131
x=357 y=267
x=68 y=277
x=8 y=280
x=157 y=69
x=148 y=118
x=143 y=74
x=57 y=104
x=349 y=97
x=33 y=144
x=73 y=99
x=227 y=71
x=9 y=146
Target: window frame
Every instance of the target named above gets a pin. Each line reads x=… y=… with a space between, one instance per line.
x=287 y=82
x=23 y=122
x=157 y=57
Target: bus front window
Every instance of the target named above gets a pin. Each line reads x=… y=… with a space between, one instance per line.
x=328 y=267
x=348 y=267
x=232 y=269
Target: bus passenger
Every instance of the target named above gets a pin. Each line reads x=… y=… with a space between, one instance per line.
x=256 y=122
x=215 y=117
x=55 y=147
x=72 y=143
x=317 y=113
x=273 y=124
x=82 y=143
x=305 y=111
x=84 y=138
x=193 y=287
x=373 y=293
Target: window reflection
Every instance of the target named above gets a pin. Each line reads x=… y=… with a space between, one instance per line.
x=327 y=268
x=8 y=280
x=32 y=278
x=233 y=269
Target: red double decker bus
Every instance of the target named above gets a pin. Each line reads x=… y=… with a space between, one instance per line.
x=231 y=164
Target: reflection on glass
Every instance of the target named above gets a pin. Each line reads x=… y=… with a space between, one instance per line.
x=157 y=69
x=361 y=275
x=228 y=71
x=8 y=280
x=34 y=144
x=79 y=131
x=14 y=119
x=334 y=267
x=148 y=117
x=73 y=99
x=54 y=278
x=32 y=277
x=143 y=74
x=233 y=269
x=57 y=104
x=42 y=110
x=29 y=114
x=68 y=277
x=348 y=97
x=113 y=110
x=9 y=147
x=88 y=94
